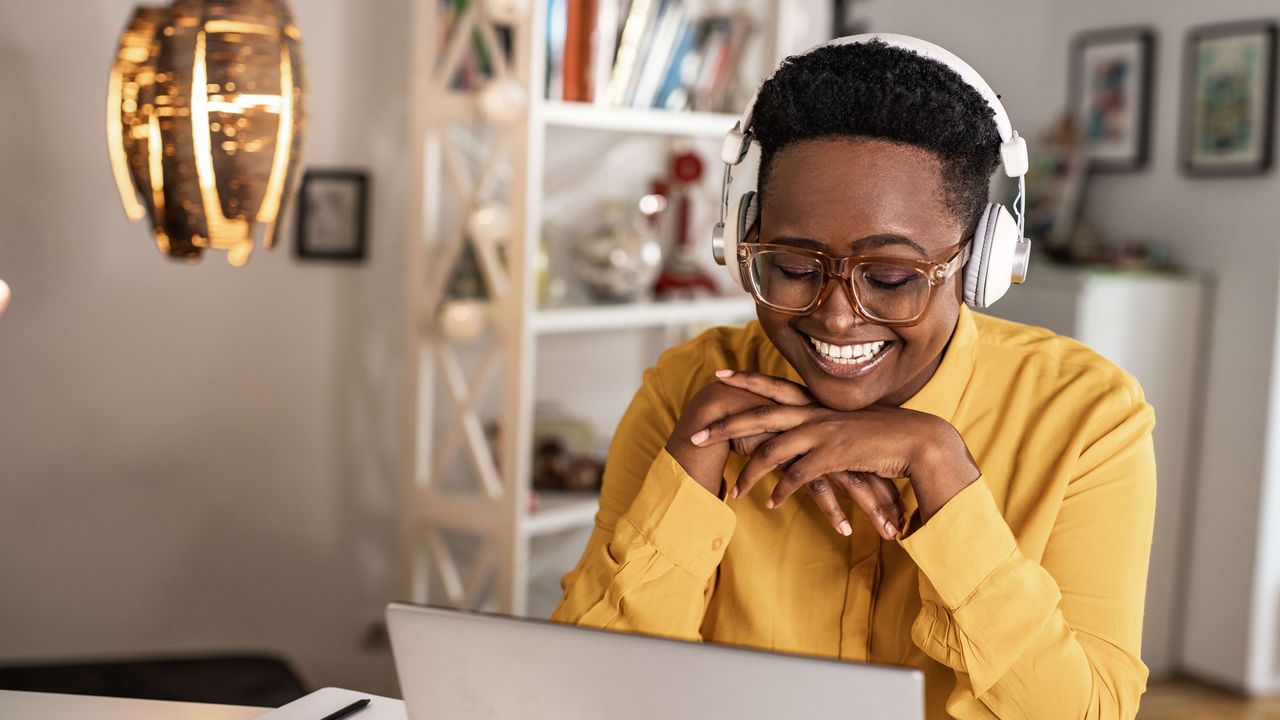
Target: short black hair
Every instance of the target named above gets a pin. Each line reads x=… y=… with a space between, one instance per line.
x=874 y=90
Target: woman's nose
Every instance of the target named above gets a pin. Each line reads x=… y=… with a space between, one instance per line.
x=836 y=311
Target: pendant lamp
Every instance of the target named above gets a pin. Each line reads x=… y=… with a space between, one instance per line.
x=205 y=123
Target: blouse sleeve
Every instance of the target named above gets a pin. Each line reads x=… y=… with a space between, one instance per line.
x=1058 y=638
x=659 y=536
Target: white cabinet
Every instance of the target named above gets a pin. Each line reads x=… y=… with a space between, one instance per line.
x=1152 y=325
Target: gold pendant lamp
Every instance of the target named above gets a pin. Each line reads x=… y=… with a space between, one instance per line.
x=205 y=122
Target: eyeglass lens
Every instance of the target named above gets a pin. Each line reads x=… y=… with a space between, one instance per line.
x=791 y=281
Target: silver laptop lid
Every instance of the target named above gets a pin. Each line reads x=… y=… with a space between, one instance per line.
x=455 y=664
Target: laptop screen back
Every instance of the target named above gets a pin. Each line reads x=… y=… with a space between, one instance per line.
x=456 y=664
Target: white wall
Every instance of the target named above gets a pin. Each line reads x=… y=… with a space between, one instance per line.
x=193 y=458
x=1228 y=227
x=1223 y=226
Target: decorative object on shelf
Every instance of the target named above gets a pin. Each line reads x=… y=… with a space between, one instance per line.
x=620 y=259
x=682 y=277
x=563 y=454
x=1111 y=74
x=490 y=223
x=464 y=321
x=1056 y=183
x=1229 y=99
x=502 y=101
x=205 y=122
x=332 y=215
x=506 y=12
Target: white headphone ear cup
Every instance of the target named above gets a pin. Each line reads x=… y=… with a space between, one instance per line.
x=742 y=216
x=989 y=272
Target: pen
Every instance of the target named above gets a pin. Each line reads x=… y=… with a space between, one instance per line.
x=351 y=709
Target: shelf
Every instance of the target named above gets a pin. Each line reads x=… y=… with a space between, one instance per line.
x=561 y=510
x=637 y=120
x=626 y=316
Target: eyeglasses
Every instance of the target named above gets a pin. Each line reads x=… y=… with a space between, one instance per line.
x=883 y=290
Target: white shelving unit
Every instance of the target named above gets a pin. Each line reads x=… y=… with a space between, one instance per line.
x=603 y=318
x=449 y=383
x=636 y=120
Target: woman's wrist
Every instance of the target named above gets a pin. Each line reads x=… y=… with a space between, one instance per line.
x=941 y=467
x=704 y=465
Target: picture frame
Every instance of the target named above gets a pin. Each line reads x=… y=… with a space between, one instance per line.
x=1228 y=109
x=1112 y=76
x=332 y=215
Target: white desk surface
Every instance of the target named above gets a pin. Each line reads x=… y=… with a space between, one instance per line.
x=52 y=706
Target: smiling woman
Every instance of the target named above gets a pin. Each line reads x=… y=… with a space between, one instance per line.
x=979 y=494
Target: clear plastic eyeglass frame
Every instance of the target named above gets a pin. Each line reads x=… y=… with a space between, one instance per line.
x=843 y=268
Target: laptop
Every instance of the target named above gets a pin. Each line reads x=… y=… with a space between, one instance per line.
x=461 y=664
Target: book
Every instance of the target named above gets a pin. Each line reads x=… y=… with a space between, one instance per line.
x=659 y=55
x=629 y=46
x=577 y=50
x=672 y=96
x=605 y=44
x=646 y=46
x=557 y=20
x=719 y=46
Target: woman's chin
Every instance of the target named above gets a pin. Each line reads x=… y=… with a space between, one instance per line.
x=842 y=395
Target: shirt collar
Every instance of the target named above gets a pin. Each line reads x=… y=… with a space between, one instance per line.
x=941 y=395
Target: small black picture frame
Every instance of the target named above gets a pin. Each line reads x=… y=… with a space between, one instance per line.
x=333 y=207
x=1228 y=99
x=1112 y=76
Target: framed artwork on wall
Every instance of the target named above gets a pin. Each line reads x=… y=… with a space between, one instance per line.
x=1229 y=99
x=332 y=215
x=1111 y=82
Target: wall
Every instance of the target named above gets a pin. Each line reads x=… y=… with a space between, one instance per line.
x=1225 y=227
x=193 y=458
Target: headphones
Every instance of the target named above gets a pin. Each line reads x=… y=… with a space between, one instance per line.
x=1000 y=253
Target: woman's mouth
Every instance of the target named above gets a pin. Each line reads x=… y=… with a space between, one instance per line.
x=852 y=360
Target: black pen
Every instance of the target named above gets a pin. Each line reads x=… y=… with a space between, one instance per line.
x=351 y=709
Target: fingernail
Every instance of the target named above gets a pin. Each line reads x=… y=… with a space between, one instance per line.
x=699 y=436
x=890 y=529
x=769 y=503
x=846 y=529
x=723 y=373
x=733 y=493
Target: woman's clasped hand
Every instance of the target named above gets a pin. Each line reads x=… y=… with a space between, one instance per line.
x=778 y=425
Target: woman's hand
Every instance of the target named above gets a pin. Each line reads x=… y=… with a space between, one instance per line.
x=705 y=462
x=860 y=451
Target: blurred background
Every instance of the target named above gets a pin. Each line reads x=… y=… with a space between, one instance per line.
x=504 y=219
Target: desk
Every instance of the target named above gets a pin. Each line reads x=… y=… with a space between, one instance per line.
x=53 y=706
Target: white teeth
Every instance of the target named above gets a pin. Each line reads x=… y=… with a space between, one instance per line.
x=848 y=354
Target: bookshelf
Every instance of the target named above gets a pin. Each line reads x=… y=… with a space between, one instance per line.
x=467 y=530
x=650 y=121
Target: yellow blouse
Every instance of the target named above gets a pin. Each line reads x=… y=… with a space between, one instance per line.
x=1022 y=597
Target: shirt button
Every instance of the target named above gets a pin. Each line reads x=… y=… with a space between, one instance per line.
x=716 y=544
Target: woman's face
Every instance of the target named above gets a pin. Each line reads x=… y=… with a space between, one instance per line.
x=856 y=197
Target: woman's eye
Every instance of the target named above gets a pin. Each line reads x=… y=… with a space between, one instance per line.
x=795 y=272
x=889 y=276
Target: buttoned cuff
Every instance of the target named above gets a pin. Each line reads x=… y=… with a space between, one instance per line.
x=680 y=519
x=961 y=545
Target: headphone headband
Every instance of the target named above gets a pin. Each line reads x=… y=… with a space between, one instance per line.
x=1013 y=149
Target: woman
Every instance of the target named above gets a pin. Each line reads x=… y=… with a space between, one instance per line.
x=979 y=494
